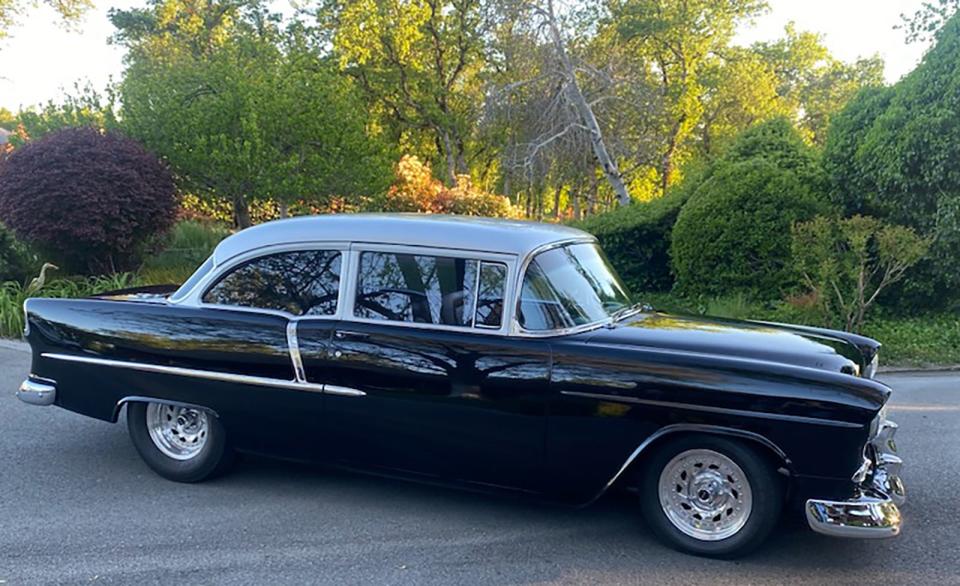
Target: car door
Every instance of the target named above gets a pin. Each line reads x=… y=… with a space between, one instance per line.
x=282 y=287
x=421 y=378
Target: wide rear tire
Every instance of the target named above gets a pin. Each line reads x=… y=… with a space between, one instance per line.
x=177 y=442
x=710 y=496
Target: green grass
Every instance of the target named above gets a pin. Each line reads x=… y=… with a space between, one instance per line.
x=917 y=341
x=13 y=294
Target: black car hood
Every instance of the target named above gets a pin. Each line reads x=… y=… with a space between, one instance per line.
x=799 y=346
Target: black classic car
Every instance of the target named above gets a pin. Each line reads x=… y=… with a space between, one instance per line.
x=487 y=354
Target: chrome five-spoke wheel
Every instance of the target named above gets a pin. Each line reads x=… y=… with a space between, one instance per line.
x=711 y=495
x=179 y=432
x=705 y=494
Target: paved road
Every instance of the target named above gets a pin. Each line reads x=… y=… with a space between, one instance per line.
x=77 y=505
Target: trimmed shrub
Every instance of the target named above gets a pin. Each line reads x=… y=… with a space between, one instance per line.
x=91 y=200
x=733 y=236
x=636 y=239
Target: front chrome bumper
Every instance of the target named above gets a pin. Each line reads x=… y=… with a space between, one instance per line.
x=37 y=391
x=874 y=512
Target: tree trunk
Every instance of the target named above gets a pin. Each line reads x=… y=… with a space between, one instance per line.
x=284 y=210
x=450 y=158
x=575 y=197
x=666 y=165
x=556 y=202
x=241 y=212
x=607 y=164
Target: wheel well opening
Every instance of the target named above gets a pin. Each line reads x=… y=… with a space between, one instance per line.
x=777 y=460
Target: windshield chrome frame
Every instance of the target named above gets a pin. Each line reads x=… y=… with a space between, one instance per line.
x=515 y=328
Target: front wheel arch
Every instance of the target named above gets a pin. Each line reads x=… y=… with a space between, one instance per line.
x=636 y=460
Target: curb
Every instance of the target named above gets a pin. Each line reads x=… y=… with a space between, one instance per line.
x=15 y=345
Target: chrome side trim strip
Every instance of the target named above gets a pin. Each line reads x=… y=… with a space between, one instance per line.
x=720 y=410
x=191 y=372
x=293 y=342
x=344 y=391
x=687 y=427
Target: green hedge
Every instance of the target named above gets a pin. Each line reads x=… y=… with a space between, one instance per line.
x=636 y=238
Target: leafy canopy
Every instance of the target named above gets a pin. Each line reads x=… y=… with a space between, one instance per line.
x=255 y=119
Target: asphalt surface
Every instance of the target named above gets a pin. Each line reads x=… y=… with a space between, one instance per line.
x=78 y=506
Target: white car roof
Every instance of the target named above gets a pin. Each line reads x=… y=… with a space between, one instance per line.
x=428 y=230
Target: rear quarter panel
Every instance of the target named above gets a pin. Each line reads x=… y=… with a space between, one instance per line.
x=151 y=333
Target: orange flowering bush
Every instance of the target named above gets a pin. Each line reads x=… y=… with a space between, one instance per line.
x=415 y=189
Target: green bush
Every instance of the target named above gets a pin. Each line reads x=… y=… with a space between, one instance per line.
x=188 y=244
x=17 y=263
x=636 y=238
x=733 y=236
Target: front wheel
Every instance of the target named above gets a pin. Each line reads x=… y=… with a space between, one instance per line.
x=710 y=496
x=178 y=442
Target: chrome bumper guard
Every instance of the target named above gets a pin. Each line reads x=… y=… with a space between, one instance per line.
x=874 y=512
x=37 y=391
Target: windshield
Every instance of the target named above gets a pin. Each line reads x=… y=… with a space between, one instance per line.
x=570 y=286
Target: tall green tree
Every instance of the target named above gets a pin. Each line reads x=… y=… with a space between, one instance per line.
x=811 y=82
x=677 y=38
x=893 y=154
x=418 y=63
x=13 y=11
x=256 y=116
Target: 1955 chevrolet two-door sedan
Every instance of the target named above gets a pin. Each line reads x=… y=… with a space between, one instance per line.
x=498 y=355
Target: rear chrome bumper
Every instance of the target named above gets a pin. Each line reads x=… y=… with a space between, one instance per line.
x=37 y=391
x=874 y=511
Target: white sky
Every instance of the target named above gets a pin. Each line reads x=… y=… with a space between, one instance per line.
x=41 y=60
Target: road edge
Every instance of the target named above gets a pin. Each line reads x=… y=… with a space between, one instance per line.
x=16 y=345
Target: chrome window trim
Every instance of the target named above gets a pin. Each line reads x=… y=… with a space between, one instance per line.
x=358 y=248
x=516 y=329
x=516 y=269
x=194 y=298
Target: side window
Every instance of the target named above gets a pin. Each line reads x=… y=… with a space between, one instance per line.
x=302 y=283
x=492 y=284
x=429 y=289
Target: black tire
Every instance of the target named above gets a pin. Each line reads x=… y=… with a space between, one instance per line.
x=214 y=458
x=766 y=486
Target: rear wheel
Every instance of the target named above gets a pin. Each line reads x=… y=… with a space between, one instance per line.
x=710 y=496
x=178 y=442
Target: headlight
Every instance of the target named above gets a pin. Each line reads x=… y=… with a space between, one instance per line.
x=872 y=367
